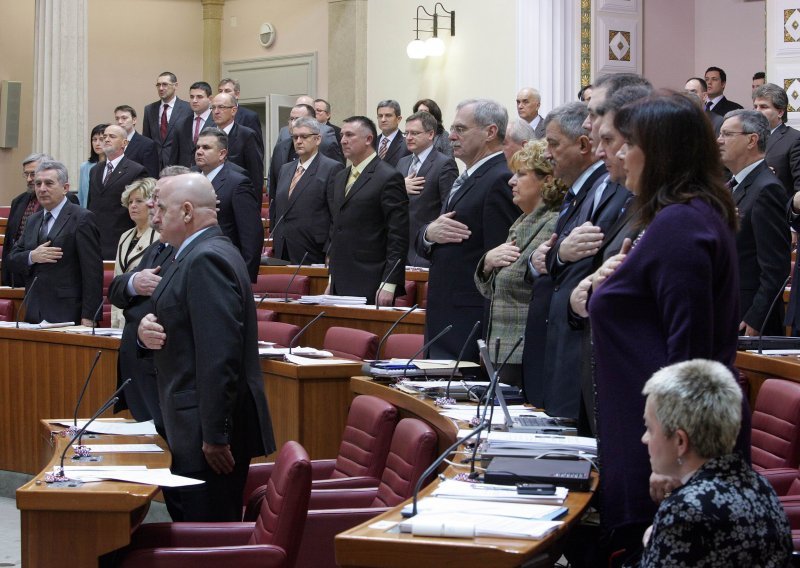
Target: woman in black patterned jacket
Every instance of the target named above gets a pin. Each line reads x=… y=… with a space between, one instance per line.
x=723 y=514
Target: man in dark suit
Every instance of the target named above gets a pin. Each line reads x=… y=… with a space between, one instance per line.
x=106 y=185
x=390 y=145
x=244 y=115
x=369 y=229
x=716 y=79
x=162 y=116
x=301 y=206
x=60 y=250
x=429 y=176
x=528 y=103
x=204 y=338
x=284 y=152
x=475 y=217
x=783 y=144
x=189 y=130
x=139 y=148
x=243 y=147
x=698 y=86
x=322 y=108
x=763 y=242
x=239 y=212
x=331 y=143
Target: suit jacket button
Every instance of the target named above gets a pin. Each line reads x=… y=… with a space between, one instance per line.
x=555 y=288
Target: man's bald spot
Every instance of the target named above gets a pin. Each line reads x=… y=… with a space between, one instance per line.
x=194 y=188
x=305 y=100
x=227 y=98
x=528 y=93
x=118 y=130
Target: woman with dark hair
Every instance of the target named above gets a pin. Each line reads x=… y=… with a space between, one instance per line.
x=96 y=155
x=441 y=141
x=670 y=296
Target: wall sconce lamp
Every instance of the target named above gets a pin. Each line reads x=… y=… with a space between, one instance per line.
x=433 y=46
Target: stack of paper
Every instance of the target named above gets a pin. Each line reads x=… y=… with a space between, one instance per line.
x=466 y=412
x=115 y=426
x=134 y=474
x=477 y=525
x=279 y=352
x=459 y=490
x=421 y=367
x=538 y=444
x=330 y=300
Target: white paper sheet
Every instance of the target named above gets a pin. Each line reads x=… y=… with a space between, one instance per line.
x=115 y=426
x=122 y=448
x=162 y=477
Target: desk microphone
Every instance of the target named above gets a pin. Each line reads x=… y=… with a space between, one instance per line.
x=460 y=355
x=386 y=281
x=96 y=315
x=302 y=331
x=391 y=329
x=114 y=396
x=86 y=384
x=769 y=312
x=25 y=299
x=291 y=280
x=263 y=297
x=424 y=347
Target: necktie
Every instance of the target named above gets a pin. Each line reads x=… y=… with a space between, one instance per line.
x=732 y=183
x=298 y=173
x=43 y=230
x=109 y=169
x=163 y=128
x=457 y=185
x=32 y=207
x=412 y=171
x=384 y=148
x=351 y=181
x=569 y=197
x=196 y=129
x=708 y=106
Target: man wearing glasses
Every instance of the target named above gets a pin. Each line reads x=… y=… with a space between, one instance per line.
x=300 y=208
x=162 y=117
x=243 y=148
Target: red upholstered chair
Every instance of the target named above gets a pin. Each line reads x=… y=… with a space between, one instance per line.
x=775 y=438
x=277 y=332
x=6 y=310
x=266 y=315
x=402 y=345
x=411 y=295
x=274 y=285
x=5 y=211
x=332 y=511
x=350 y=343
x=272 y=541
x=362 y=454
x=786 y=482
x=423 y=295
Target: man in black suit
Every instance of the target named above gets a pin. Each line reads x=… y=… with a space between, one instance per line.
x=60 y=249
x=189 y=130
x=716 y=102
x=369 y=232
x=783 y=144
x=475 y=217
x=243 y=147
x=22 y=207
x=244 y=115
x=698 y=86
x=322 y=108
x=106 y=185
x=284 y=152
x=140 y=149
x=528 y=103
x=162 y=117
x=301 y=206
x=390 y=145
x=763 y=242
x=204 y=338
x=429 y=176
x=239 y=212
x=331 y=143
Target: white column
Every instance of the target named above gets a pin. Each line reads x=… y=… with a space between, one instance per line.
x=60 y=82
x=548 y=52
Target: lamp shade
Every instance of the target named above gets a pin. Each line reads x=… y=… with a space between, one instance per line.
x=416 y=49
x=434 y=47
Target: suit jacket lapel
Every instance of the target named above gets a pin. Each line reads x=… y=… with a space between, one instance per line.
x=362 y=180
x=425 y=167
x=60 y=221
x=740 y=191
x=122 y=166
x=308 y=175
x=776 y=136
x=175 y=265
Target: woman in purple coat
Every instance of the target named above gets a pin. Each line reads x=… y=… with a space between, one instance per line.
x=672 y=297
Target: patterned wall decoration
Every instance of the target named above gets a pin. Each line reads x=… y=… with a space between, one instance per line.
x=616 y=36
x=792 y=88
x=619 y=45
x=791 y=25
x=586 y=42
x=782 y=19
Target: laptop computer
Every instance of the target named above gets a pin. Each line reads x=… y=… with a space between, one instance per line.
x=535 y=424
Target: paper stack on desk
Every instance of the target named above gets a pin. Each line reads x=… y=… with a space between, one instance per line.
x=452 y=489
x=330 y=300
x=537 y=444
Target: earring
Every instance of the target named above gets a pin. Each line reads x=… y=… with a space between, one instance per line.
x=680 y=461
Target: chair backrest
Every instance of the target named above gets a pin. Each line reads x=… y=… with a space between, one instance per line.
x=366 y=438
x=413 y=450
x=775 y=438
x=266 y=315
x=274 y=285
x=284 y=510
x=402 y=345
x=350 y=343
x=411 y=295
x=6 y=310
x=277 y=332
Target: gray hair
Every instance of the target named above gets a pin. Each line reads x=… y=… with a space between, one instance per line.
x=701 y=398
x=624 y=96
x=227 y=80
x=310 y=123
x=392 y=104
x=753 y=122
x=613 y=82
x=520 y=131
x=37 y=157
x=143 y=185
x=171 y=171
x=60 y=169
x=219 y=134
x=775 y=95
x=486 y=113
x=570 y=118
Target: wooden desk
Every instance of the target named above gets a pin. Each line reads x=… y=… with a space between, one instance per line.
x=72 y=526
x=362 y=546
x=368 y=319
x=758 y=368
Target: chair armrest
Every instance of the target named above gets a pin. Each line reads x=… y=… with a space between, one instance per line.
x=342 y=498
x=322 y=469
x=317 y=547
x=170 y=535
x=791 y=504
x=346 y=482
x=251 y=556
x=259 y=473
x=780 y=478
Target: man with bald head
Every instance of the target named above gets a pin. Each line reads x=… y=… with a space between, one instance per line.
x=528 y=102
x=106 y=184
x=203 y=333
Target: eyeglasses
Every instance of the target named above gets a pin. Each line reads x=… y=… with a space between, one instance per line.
x=165 y=85
x=220 y=107
x=296 y=137
x=460 y=130
x=29 y=175
x=731 y=134
x=413 y=133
